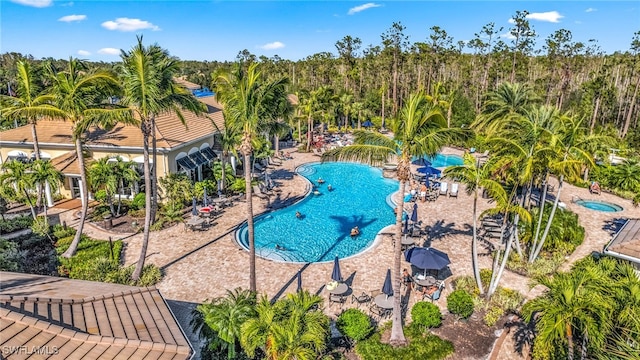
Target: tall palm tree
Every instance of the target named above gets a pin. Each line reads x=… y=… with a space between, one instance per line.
x=103 y=177
x=80 y=94
x=249 y=102
x=14 y=173
x=420 y=130
x=147 y=74
x=125 y=173
x=226 y=315
x=507 y=100
x=42 y=173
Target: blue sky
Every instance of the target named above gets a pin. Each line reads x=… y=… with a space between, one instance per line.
x=218 y=30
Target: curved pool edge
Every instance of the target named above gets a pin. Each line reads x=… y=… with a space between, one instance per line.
x=382 y=232
x=615 y=207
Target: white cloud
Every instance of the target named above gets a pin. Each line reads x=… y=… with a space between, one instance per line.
x=362 y=7
x=70 y=18
x=591 y=10
x=272 y=46
x=34 y=3
x=83 y=53
x=126 y=24
x=549 y=16
x=507 y=35
x=109 y=51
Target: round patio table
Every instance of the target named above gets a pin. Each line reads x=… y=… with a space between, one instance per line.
x=384 y=301
x=340 y=289
x=428 y=281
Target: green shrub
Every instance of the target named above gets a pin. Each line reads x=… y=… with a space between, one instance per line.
x=60 y=231
x=426 y=314
x=100 y=195
x=80 y=266
x=466 y=283
x=507 y=299
x=151 y=275
x=492 y=315
x=138 y=201
x=40 y=226
x=238 y=185
x=485 y=276
x=460 y=303
x=9 y=255
x=15 y=224
x=421 y=347
x=354 y=324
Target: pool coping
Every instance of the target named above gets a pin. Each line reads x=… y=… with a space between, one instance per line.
x=618 y=208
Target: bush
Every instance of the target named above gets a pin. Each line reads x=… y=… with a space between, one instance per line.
x=493 y=315
x=15 y=224
x=81 y=265
x=354 y=324
x=466 y=283
x=138 y=201
x=485 y=276
x=60 y=231
x=40 y=226
x=420 y=347
x=460 y=303
x=239 y=185
x=151 y=275
x=9 y=256
x=426 y=314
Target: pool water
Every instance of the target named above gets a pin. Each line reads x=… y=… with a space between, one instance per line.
x=360 y=197
x=441 y=160
x=599 y=205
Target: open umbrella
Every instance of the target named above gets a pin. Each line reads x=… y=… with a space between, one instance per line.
x=204 y=200
x=421 y=162
x=194 y=210
x=299 y=281
x=387 y=288
x=414 y=214
x=429 y=170
x=336 y=274
x=367 y=124
x=427 y=258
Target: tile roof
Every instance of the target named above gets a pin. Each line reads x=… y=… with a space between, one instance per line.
x=117 y=322
x=627 y=240
x=67 y=163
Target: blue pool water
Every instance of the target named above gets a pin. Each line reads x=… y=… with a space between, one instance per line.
x=360 y=197
x=599 y=205
x=202 y=92
x=441 y=160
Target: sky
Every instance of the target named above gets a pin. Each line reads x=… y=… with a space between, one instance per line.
x=217 y=30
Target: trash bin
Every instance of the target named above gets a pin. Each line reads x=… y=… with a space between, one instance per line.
x=108 y=221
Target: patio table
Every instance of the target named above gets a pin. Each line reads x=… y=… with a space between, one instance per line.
x=383 y=301
x=194 y=222
x=428 y=281
x=340 y=289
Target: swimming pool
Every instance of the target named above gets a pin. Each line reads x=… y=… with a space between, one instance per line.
x=599 y=205
x=360 y=197
x=441 y=160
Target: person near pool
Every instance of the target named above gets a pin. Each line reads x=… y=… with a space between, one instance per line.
x=329 y=187
x=298 y=215
x=320 y=180
x=280 y=247
x=407 y=279
x=355 y=232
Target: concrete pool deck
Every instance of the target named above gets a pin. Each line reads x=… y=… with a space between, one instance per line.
x=203 y=265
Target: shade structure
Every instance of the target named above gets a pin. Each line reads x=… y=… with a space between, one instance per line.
x=204 y=199
x=299 y=281
x=387 y=288
x=336 y=275
x=367 y=124
x=429 y=170
x=414 y=213
x=194 y=210
x=421 y=162
x=427 y=258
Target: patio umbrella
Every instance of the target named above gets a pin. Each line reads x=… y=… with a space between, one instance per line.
x=336 y=274
x=427 y=183
x=387 y=288
x=367 y=124
x=406 y=227
x=427 y=258
x=421 y=162
x=299 y=281
x=204 y=201
x=194 y=211
x=414 y=214
x=429 y=170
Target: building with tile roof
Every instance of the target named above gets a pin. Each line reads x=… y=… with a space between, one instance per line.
x=59 y=318
x=626 y=243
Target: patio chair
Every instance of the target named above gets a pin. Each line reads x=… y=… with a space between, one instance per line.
x=362 y=299
x=257 y=192
x=434 y=296
x=317 y=152
x=443 y=188
x=454 y=190
x=338 y=299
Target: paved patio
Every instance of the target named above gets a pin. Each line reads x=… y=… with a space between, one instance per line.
x=203 y=265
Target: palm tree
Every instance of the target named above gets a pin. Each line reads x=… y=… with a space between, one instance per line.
x=475 y=176
x=249 y=101
x=125 y=173
x=626 y=176
x=147 y=75
x=42 y=173
x=420 y=130
x=80 y=94
x=226 y=315
x=103 y=176
x=507 y=100
x=14 y=173
x=291 y=329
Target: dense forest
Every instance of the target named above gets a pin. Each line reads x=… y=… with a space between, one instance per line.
x=358 y=83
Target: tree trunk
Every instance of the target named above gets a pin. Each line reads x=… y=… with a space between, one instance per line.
x=309 y=132
x=224 y=171
x=36 y=150
x=250 y=235
x=495 y=279
x=154 y=172
x=627 y=121
x=397 y=334
x=474 y=244
x=147 y=201
x=382 y=109
x=85 y=204
x=569 y=341
x=546 y=229
x=543 y=199
x=595 y=115
x=33 y=210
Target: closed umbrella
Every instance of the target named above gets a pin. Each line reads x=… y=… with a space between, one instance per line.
x=414 y=214
x=299 y=281
x=336 y=274
x=194 y=210
x=427 y=258
x=367 y=124
x=204 y=200
x=387 y=288
x=421 y=162
x=406 y=227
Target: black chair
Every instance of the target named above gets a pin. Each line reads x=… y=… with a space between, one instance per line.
x=339 y=299
x=362 y=299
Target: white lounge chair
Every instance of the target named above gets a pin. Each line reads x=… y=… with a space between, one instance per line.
x=317 y=152
x=443 y=188
x=454 y=190
x=258 y=192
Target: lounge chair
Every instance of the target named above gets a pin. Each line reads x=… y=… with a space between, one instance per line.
x=443 y=188
x=454 y=190
x=317 y=152
x=435 y=295
x=259 y=193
